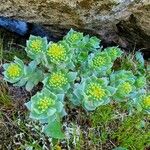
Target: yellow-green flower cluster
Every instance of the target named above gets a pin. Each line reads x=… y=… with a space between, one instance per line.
x=45 y=103
x=13 y=70
x=126 y=87
x=57 y=80
x=95 y=91
x=124 y=82
x=99 y=61
x=92 y=92
x=123 y=90
x=36 y=45
x=74 y=37
x=146 y=101
x=57 y=52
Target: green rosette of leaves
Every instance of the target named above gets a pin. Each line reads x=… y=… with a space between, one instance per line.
x=92 y=92
x=74 y=38
x=45 y=105
x=136 y=99
x=36 y=47
x=60 y=81
x=14 y=71
x=113 y=52
x=145 y=101
x=93 y=43
x=124 y=82
x=87 y=45
x=99 y=63
x=59 y=54
x=142 y=102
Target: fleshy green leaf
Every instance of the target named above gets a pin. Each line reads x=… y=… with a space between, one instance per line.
x=29 y=86
x=54 y=130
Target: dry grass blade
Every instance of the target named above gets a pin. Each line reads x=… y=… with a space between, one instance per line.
x=5 y=98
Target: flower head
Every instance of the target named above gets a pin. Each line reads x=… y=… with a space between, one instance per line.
x=124 y=81
x=92 y=92
x=99 y=61
x=35 y=46
x=14 y=70
x=57 y=52
x=146 y=101
x=126 y=87
x=44 y=103
x=73 y=37
x=95 y=91
x=57 y=79
x=124 y=90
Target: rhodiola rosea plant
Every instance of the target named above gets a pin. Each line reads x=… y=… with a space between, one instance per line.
x=79 y=70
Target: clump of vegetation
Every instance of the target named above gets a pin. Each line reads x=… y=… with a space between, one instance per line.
x=133 y=133
x=77 y=70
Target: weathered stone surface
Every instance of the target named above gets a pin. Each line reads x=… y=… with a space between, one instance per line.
x=125 y=22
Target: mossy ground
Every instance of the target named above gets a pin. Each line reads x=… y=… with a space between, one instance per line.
x=104 y=129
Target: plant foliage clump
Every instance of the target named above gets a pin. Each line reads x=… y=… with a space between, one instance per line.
x=76 y=69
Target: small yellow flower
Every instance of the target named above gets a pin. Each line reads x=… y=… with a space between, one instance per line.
x=57 y=79
x=95 y=91
x=126 y=87
x=99 y=61
x=13 y=70
x=57 y=52
x=146 y=101
x=36 y=45
x=45 y=103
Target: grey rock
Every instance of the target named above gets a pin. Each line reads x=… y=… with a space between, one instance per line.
x=124 y=22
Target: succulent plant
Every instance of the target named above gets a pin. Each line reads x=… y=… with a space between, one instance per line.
x=45 y=105
x=78 y=69
x=36 y=46
x=14 y=71
x=124 y=82
x=73 y=38
x=92 y=92
x=60 y=81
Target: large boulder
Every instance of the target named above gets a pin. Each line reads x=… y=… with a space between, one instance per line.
x=124 y=22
